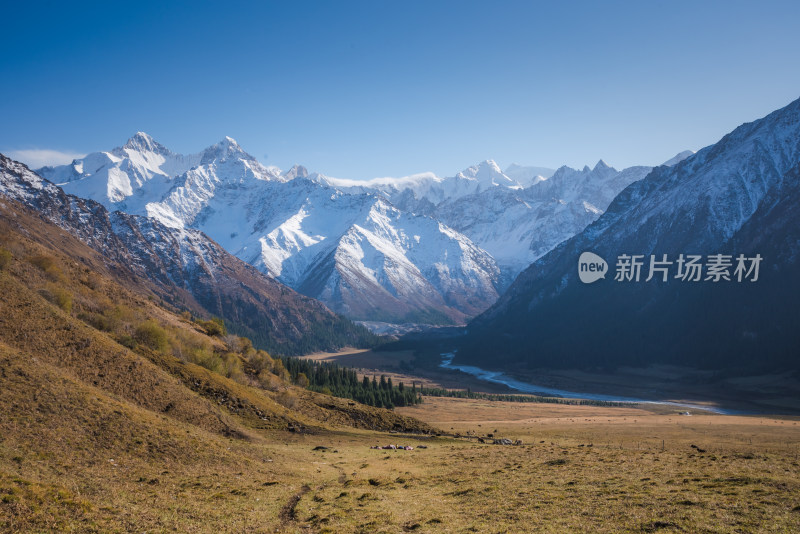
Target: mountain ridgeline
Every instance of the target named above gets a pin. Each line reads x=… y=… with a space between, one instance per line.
x=186 y=269
x=737 y=197
x=420 y=249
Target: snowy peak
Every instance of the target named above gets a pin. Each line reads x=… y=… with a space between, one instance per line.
x=297 y=171
x=602 y=165
x=226 y=149
x=601 y=170
x=142 y=142
x=487 y=173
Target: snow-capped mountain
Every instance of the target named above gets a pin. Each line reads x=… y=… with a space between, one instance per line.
x=417 y=249
x=482 y=177
x=124 y=178
x=354 y=251
x=516 y=225
x=183 y=267
x=737 y=196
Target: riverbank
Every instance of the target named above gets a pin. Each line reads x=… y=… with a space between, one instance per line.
x=674 y=386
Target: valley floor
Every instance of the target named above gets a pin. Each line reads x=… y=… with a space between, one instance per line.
x=776 y=393
x=579 y=469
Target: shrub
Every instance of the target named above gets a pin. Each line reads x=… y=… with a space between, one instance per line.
x=48 y=265
x=185 y=343
x=127 y=341
x=287 y=400
x=205 y=357
x=62 y=299
x=232 y=365
x=260 y=361
x=150 y=334
x=279 y=370
x=5 y=258
x=96 y=320
x=246 y=346
x=232 y=342
x=302 y=380
x=213 y=327
x=269 y=381
x=58 y=296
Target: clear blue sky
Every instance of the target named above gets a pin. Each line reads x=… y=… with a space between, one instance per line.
x=358 y=90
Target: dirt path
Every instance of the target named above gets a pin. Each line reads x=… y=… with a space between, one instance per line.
x=287 y=514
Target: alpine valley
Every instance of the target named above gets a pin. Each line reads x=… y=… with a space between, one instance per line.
x=128 y=406
x=418 y=249
x=738 y=197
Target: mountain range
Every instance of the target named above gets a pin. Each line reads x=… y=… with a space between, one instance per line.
x=422 y=249
x=738 y=197
x=204 y=229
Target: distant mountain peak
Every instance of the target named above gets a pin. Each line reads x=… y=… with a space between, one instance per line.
x=738 y=196
x=486 y=171
x=227 y=148
x=297 y=171
x=489 y=165
x=142 y=142
x=602 y=165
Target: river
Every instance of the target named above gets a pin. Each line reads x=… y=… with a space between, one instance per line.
x=498 y=377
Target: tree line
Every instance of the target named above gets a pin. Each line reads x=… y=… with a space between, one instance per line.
x=333 y=379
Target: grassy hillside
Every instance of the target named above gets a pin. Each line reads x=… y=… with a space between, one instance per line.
x=100 y=380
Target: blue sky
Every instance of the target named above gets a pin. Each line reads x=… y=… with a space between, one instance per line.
x=366 y=89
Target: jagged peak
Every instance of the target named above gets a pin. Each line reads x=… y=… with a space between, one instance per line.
x=142 y=142
x=485 y=169
x=297 y=171
x=489 y=165
x=223 y=150
x=602 y=165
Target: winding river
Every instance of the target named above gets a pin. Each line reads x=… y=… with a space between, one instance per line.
x=499 y=378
